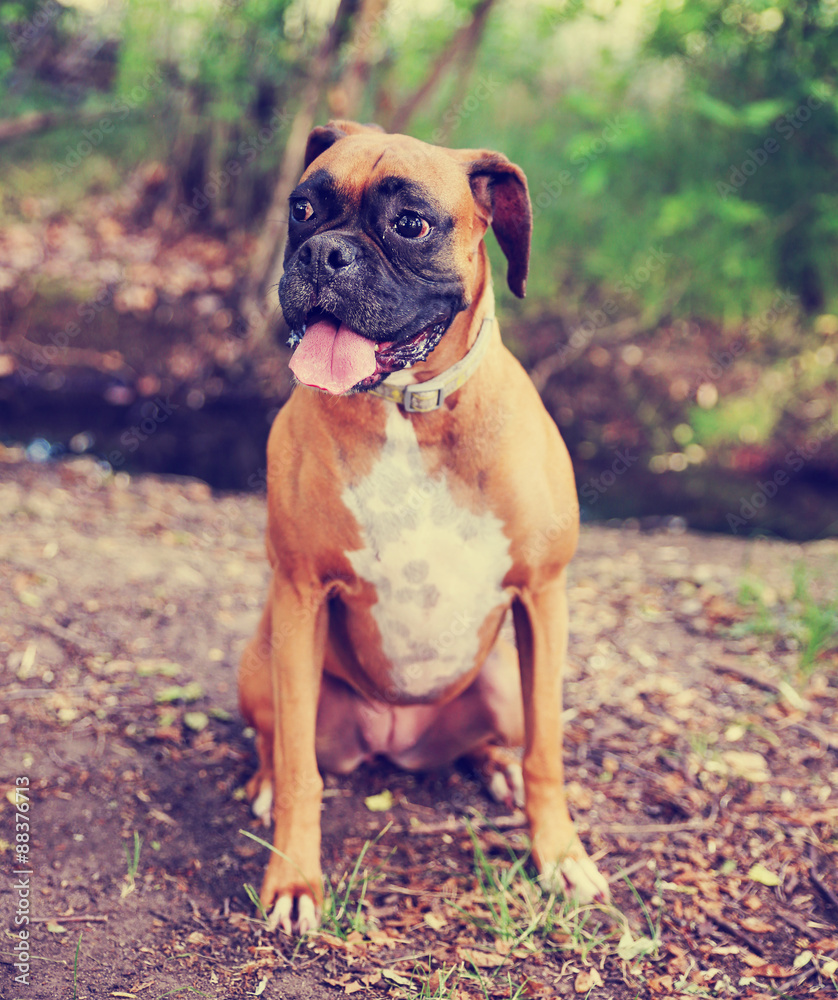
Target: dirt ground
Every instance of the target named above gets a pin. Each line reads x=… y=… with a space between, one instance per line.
x=701 y=752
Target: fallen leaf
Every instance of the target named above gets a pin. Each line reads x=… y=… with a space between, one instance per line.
x=587 y=980
x=175 y=692
x=481 y=959
x=759 y=873
x=747 y=764
x=394 y=977
x=535 y=988
x=756 y=926
x=381 y=802
x=774 y=971
x=196 y=721
x=629 y=948
x=752 y=960
x=661 y=984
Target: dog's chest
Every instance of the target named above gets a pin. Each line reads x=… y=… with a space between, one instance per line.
x=437 y=567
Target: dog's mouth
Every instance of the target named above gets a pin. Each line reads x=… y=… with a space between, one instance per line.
x=330 y=355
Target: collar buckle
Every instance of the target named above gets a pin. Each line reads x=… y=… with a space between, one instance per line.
x=425 y=397
x=419 y=400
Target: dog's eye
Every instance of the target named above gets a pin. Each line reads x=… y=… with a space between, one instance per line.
x=411 y=226
x=301 y=210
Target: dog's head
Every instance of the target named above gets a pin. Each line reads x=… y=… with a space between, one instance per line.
x=384 y=237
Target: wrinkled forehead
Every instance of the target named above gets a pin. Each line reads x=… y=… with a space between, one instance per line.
x=386 y=163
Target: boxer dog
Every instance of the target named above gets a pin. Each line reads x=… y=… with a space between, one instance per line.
x=418 y=495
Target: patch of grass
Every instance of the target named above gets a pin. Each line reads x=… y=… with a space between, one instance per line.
x=253 y=896
x=806 y=621
x=344 y=905
x=815 y=624
x=76 y=967
x=345 y=900
x=38 y=163
x=518 y=912
x=762 y=621
x=133 y=862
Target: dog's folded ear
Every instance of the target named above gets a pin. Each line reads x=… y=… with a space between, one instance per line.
x=323 y=136
x=500 y=190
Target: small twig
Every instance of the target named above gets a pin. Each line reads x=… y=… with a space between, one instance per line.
x=794 y=921
x=78 y=918
x=821 y=886
x=516 y=821
x=818 y=733
x=727 y=665
x=67 y=635
x=640 y=829
x=625 y=872
x=736 y=932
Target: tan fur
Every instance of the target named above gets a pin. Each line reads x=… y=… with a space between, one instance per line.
x=498 y=450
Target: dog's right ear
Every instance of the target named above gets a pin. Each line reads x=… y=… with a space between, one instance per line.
x=324 y=136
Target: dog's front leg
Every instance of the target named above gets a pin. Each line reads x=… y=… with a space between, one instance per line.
x=541 y=634
x=292 y=890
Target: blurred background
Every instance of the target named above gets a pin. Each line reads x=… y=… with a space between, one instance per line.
x=681 y=319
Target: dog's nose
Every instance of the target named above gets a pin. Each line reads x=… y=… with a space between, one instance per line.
x=327 y=253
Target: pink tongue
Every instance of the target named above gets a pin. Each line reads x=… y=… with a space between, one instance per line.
x=333 y=357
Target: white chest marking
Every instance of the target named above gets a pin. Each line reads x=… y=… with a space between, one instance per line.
x=437 y=567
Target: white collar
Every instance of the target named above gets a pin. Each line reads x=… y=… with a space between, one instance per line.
x=424 y=397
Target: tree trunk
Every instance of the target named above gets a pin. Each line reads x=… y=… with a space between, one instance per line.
x=346 y=96
x=265 y=266
x=462 y=47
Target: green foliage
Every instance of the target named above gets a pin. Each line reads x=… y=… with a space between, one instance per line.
x=807 y=620
x=816 y=622
x=680 y=155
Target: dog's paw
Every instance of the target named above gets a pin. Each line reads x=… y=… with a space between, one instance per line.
x=575 y=877
x=262 y=804
x=506 y=785
x=501 y=772
x=294 y=914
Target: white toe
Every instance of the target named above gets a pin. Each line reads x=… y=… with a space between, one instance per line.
x=576 y=879
x=515 y=775
x=506 y=784
x=499 y=787
x=307 y=920
x=281 y=915
x=263 y=803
